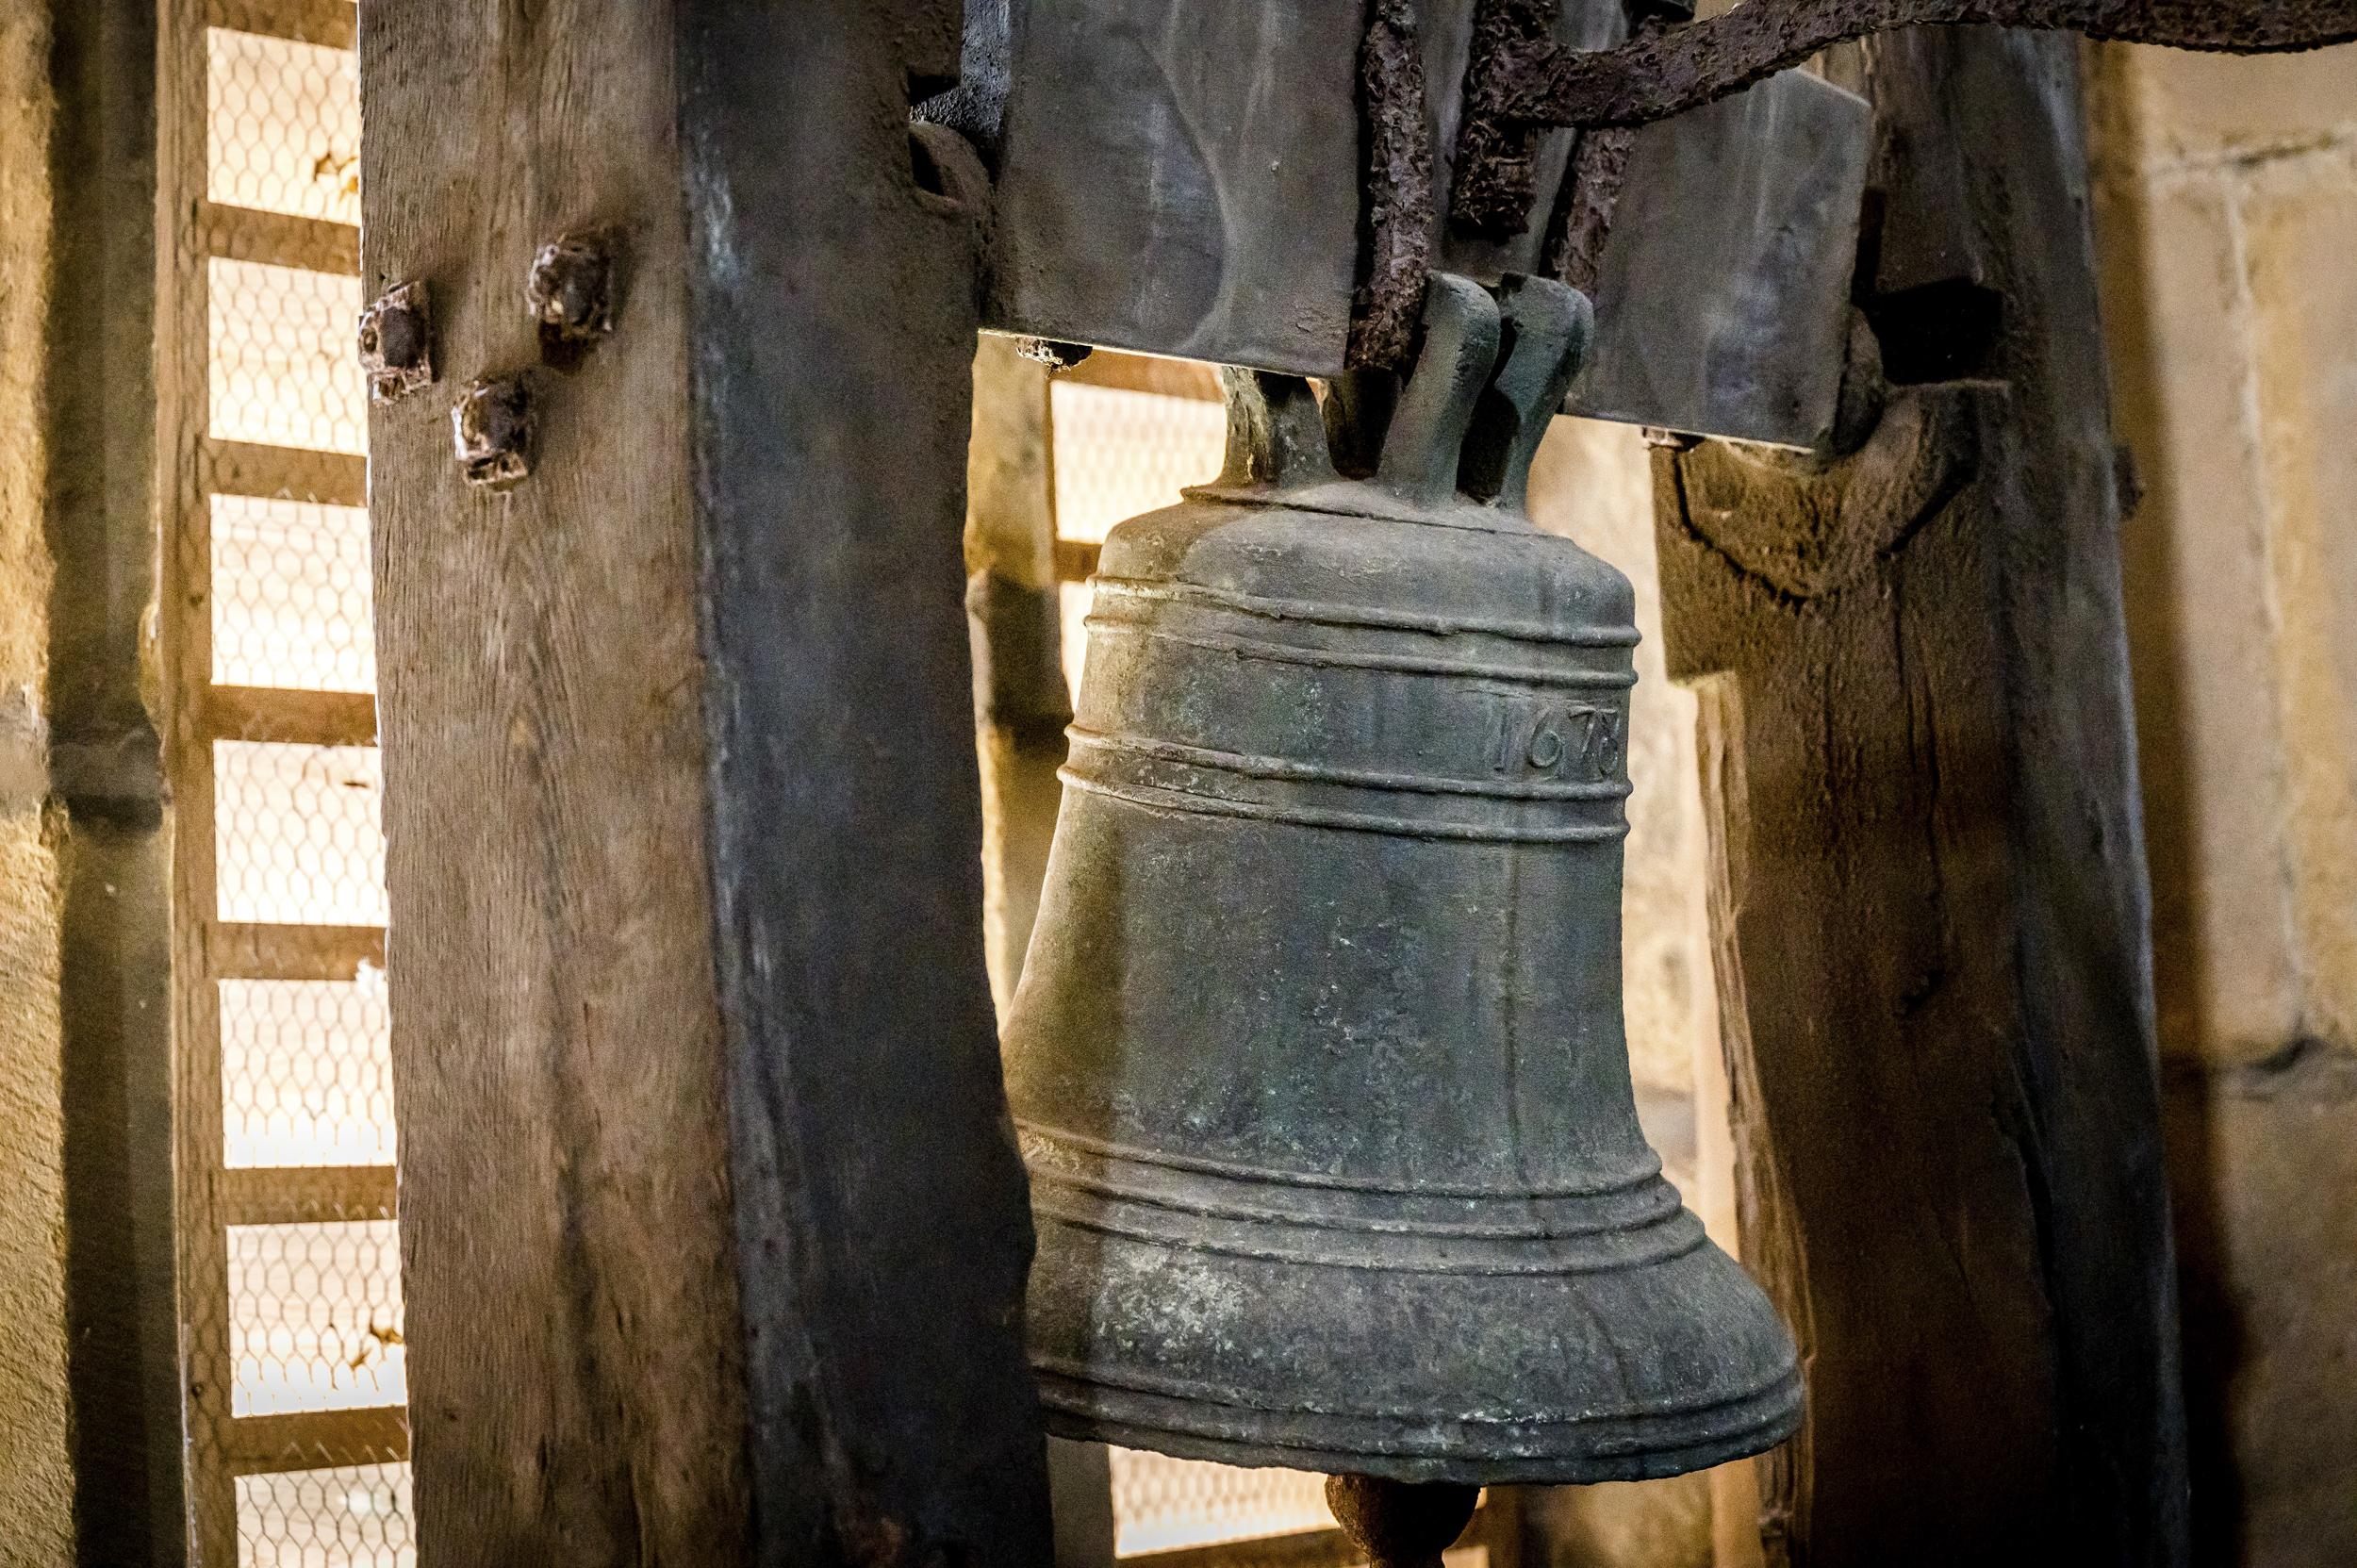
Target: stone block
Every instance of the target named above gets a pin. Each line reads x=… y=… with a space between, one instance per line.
x=2300 y=238
x=2195 y=574
x=2205 y=106
x=37 y=1484
x=2264 y=1167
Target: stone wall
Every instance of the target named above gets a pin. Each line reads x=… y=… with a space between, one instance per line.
x=2227 y=221
x=36 y=1480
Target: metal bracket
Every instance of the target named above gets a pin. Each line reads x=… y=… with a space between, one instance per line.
x=1665 y=74
x=1519 y=80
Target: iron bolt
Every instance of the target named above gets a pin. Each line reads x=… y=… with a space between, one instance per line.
x=569 y=289
x=491 y=427
x=396 y=344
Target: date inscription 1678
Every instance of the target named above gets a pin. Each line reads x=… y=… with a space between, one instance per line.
x=1572 y=741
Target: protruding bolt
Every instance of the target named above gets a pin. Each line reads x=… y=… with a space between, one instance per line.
x=397 y=343
x=491 y=427
x=947 y=170
x=569 y=289
x=1055 y=356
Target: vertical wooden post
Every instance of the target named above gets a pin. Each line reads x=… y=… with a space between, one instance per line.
x=115 y=388
x=713 y=1231
x=1931 y=876
x=1021 y=700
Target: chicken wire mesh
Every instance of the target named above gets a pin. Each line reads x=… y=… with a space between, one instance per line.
x=1117 y=452
x=354 y=1513
x=293 y=1300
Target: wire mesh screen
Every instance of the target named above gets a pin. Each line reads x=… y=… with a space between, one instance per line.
x=1119 y=452
x=356 y=1514
x=282 y=119
x=292 y=1291
x=306 y=1072
x=315 y=1316
x=297 y=613
x=1162 y=1504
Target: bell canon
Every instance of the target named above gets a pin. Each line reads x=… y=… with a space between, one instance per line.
x=1317 y=1060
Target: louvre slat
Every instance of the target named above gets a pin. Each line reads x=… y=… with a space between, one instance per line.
x=281 y=239
x=318 y=1440
x=306 y=1195
x=331 y=24
x=287 y=474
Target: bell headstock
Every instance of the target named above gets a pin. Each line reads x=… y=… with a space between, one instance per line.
x=1183 y=177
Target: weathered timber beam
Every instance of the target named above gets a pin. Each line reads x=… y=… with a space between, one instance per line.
x=1929 y=895
x=1657 y=76
x=881 y=1218
x=108 y=399
x=691 y=1031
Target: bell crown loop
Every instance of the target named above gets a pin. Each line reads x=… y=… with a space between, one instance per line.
x=1455 y=443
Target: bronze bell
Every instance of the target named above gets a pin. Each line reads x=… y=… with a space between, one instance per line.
x=1317 y=1060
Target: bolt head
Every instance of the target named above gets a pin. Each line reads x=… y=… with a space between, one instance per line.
x=491 y=432
x=396 y=344
x=570 y=288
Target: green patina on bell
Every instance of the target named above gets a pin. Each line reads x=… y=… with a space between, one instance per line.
x=1317 y=1058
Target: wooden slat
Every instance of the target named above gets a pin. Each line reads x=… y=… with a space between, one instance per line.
x=285 y=473
x=281 y=239
x=1497 y=1527
x=331 y=24
x=1076 y=560
x=240 y=952
x=1308 y=1549
x=292 y=716
x=1142 y=372
x=306 y=1195
x=318 y=1440
x=184 y=361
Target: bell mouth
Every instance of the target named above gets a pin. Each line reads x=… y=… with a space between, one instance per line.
x=1258 y=1317
x=1637 y=1447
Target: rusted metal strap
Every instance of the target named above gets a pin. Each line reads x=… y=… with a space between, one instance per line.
x=1397 y=239
x=1652 y=79
x=1497 y=154
x=1496 y=163
x=1592 y=193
